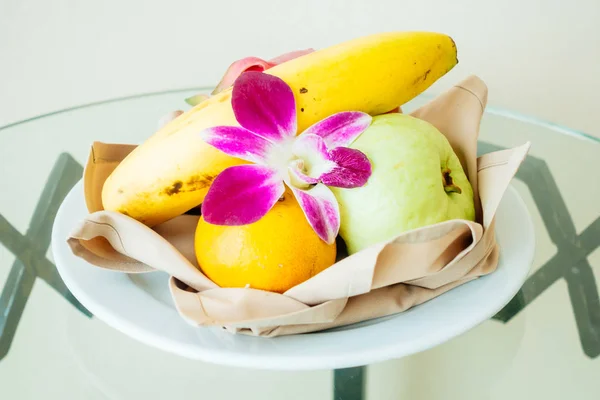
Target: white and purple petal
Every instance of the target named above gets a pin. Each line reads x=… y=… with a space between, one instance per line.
x=264 y=104
x=238 y=142
x=352 y=168
x=321 y=210
x=241 y=195
x=341 y=129
x=297 y=176
x=313 y=151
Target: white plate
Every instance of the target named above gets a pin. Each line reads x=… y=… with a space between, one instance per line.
x=140 y=306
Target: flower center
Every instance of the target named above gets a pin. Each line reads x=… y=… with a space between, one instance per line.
x=296 y=167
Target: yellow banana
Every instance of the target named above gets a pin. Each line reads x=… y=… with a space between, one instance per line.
x=171 y=172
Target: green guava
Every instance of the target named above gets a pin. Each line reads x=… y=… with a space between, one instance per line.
x=417 y=180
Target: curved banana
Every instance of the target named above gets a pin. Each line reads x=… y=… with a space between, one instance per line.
x=171 y=172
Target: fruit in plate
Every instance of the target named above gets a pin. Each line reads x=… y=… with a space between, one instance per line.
x=416 y=180
x=275 y=253
x=171 y=172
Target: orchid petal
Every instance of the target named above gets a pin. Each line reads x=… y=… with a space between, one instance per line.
x=290 y=56
x=238 y=142
x=264 y=104
x=321 y=210
x=313 y=150
x=196 y=99
x=342 y=128
x=165 y=119
x=241 y=195
x=352 y=168
x=297 y=177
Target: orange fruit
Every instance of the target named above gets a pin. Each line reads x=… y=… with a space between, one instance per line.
x=276 y=253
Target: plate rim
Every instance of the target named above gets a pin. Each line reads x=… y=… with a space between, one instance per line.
x=282 y=361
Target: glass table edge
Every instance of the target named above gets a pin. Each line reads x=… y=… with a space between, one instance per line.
x=498 y=111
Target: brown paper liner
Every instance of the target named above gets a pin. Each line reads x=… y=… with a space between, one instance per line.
x=381 y=280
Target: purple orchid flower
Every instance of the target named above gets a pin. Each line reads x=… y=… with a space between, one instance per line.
x=265 y=107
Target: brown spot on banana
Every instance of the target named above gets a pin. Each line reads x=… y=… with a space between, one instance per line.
x=422 y=77
x=174 y=188
x=196 y=182
x=199 y=182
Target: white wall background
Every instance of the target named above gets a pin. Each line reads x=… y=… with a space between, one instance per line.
x=538 y=57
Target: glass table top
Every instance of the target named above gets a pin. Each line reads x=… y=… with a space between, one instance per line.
x=545 y=344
